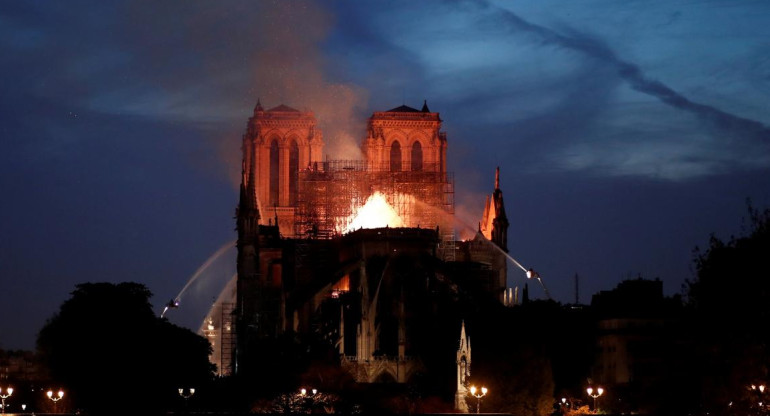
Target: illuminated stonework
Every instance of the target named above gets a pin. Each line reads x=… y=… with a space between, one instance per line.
x=362 y=251
x=406 y=139
x=285 y=175
x=278 y=143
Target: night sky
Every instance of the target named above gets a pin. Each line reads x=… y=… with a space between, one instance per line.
x=626 y=131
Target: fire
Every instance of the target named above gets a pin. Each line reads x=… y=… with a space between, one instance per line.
x=375 y=213
x=342 y=286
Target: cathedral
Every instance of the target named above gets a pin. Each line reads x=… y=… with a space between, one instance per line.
x=359 y=253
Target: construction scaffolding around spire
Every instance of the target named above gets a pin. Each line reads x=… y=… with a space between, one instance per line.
x=331 y=193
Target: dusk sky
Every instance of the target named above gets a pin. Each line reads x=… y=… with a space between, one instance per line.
x=626 y=131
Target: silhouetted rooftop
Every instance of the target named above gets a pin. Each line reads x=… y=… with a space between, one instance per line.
x=284 y=108
x=404 y=109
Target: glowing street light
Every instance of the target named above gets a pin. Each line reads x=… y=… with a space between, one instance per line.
x=478 y=394
x=760 y=389
x=186 y=394
x=58 y=396
x=8 y=393
x=595 y=393
x=309 y=398
x=303 y=392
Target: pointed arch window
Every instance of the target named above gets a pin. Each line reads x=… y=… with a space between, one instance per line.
x=274 y=172
x=293 y=171
x=395 y=157
x=416 y=156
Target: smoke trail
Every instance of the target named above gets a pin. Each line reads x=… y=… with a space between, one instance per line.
x=632 y=74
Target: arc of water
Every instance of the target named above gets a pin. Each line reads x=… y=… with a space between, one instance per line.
x=528 y=272
x=199 y=271
x=221 y=298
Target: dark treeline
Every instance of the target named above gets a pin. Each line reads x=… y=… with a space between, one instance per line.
x=112 y=355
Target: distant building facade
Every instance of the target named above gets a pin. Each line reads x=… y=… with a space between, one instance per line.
x=639 y=339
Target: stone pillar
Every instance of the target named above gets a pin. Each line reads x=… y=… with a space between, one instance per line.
x=283 y=177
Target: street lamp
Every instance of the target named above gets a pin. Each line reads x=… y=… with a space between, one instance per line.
x=595 y=394
x=58 y=396
x=308 y=399
x=8 y=393
x=760 y=389
x=478 y=394
x=186 y=394
x=303 y=392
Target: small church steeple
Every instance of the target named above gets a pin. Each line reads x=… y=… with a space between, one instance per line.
x=425 y=107
x=463 y=370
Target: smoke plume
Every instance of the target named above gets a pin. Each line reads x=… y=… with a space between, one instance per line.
x=290 y=69
x=207 y=65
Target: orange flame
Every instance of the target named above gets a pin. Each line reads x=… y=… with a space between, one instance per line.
x=342 y=286
x=375 y=213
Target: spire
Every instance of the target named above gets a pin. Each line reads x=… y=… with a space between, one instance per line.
x=425 y=106
x=497 y=178
x=463 y=370
x=258 y=106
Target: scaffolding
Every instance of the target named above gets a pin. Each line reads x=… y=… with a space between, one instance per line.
x=329 y=193
x=227 y=341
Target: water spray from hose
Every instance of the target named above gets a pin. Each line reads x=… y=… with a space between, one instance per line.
x=531 y=274
x=174 y=303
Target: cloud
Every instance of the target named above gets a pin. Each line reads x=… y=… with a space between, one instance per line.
x=731 y=138
x=546 y=96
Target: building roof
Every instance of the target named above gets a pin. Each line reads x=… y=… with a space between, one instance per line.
x=283 y=108
x=403 y=109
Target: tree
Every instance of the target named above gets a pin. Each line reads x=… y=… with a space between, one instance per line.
x=519 y=384
x=731 y=319
x=113 y=355
x=514 y=350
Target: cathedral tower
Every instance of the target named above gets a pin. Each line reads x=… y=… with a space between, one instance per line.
x=279 y=142
x=405 y=139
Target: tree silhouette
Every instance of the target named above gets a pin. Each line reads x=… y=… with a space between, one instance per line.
x=113 y=355
x=729 y=301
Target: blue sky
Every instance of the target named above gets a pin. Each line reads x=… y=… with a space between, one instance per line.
x=626 y=132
